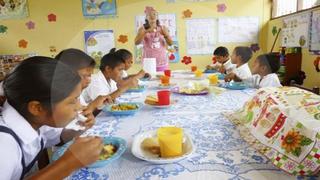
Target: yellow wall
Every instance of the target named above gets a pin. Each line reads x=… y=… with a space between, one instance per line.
x=313 y=78
x=68 y=30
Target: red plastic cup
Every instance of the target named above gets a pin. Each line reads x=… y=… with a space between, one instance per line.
x=167 y=72
x=163 y=97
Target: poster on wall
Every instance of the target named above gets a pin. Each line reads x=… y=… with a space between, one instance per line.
x=315 y=32
x=168 y=20
x=201 y=36
x=238 y=29
x=295 y=31
x=10 y=9
x=99 y=8
x=98 y=43
x=8 y=62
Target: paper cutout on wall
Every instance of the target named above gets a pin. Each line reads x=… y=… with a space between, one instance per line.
x=187 y=13
x=274 y=30
x=221 y=7
x=255 y=47
x=316 y=64
x=3 y=29
x=315 y=32
x=13 y=9
x=53 y=51
x=123 y=39
x=30 y=25
x=8 y=62
x=52 y=17
x=201 y=36
x=173 y=52
x=186 y=60
x=23 y=43
x=99 y=8
x=295 y=31
x=98 y=43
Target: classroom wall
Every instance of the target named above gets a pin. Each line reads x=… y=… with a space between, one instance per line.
x=68 y=30
x=313 y=77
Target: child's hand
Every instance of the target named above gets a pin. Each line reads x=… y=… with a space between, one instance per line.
x=140 y=74
x=133 y=82
x=229 y=77
x=90 y=119
x=84 y=151
x=222 y=69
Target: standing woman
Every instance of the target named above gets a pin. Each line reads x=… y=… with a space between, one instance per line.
x=154 y=38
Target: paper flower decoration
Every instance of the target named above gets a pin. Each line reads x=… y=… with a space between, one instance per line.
x=274 y=30
x=186 y=60
x=172 y=57
x=52 y=18
x=123 y=39
x=30 y=25
x=214 y=60
x=221 y=7
x=187 y=13
x=3 y=29
x=255 y=47
x=23 y=43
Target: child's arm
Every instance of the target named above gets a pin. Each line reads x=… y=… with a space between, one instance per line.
x=82 y=152
x=140 y=36
x=124 y=86
x=232 y=76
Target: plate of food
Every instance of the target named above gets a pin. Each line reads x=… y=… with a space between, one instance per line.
x=139 y=88
x=236 y=85
x=191 y=91
x=145 y=146
x=152 y=100
x=112 y=150
x=123 y=108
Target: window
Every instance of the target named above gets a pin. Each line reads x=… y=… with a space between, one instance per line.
x=284 y=7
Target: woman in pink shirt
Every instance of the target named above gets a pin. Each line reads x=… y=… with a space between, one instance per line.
x=155 y=39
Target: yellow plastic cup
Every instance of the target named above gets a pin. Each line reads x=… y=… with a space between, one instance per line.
x=198 y=73
x=213 y=79
x=170 y=140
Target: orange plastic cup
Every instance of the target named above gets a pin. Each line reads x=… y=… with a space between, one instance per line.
x=194 y=68
x=165 y=80
x=170 y=140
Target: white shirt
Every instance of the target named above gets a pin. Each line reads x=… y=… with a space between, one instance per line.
x=99 y=86
x=243 y=71
x=270 y=80
x=10 y=152
x=124 y=74
x=229 y=66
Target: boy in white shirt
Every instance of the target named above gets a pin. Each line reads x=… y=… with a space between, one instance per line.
x=264 y=72
x=239 y=67
x=221 y=55
x=105 y=81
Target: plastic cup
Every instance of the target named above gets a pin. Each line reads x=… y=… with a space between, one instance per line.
x=163 y=97
x=170 y=140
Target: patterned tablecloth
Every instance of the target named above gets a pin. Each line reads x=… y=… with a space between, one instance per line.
x=220 y=153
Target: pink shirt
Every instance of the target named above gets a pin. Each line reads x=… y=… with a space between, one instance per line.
x=154 y=46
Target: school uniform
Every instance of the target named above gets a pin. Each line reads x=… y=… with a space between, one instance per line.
x=124 y=74
x=229 y=66
x=243 y=71
x=270 y=80
x=99 y=86
x=20 y=143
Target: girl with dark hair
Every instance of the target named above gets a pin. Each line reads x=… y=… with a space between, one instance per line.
x=155 y=39
x=105 y=81
x=41 y=92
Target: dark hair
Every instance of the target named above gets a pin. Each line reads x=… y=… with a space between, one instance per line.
x=111 y=60
x=271 y=61
x=123 y=54
x=40 y=79
x=146 y=25
x=244 y=52
x=221 y=51
x=76 y=59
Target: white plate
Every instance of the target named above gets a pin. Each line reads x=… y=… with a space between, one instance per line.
x=188 y=148
x=173 y=102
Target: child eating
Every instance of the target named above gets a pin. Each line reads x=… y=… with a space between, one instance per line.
x=221 y=54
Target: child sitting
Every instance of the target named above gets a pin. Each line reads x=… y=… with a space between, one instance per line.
x=221 y=54
x=264 y=72
x=105 y=81
x=238 y=66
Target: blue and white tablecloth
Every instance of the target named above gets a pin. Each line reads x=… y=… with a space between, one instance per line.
x=220 y=154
